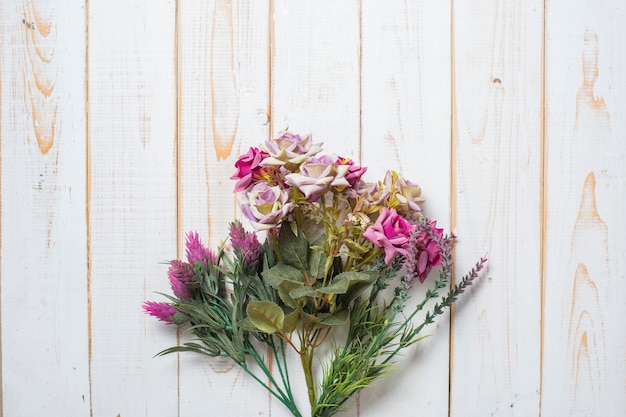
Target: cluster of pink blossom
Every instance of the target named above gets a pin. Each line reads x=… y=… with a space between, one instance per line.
x=245 y=245
x=289 y=173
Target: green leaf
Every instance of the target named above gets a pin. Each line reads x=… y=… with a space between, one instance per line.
x=281 y=272
x=313 y=318
x=336 y=319
x=317 y=258
x=338 y=286
x=207 y=349
x=359 y=283
x=269 y=258
x=266 y=316
x=293 y=247
x=355 y=247
x=246 y=324
x=284 y=290
x=291 y=321
x=303 y=291
x=328 y=264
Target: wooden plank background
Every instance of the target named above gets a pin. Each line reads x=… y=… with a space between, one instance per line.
x=120 y=122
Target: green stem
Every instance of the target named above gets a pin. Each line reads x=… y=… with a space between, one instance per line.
x=281 y=364
x=306 y=357
x=286 y=399
x=375 y=252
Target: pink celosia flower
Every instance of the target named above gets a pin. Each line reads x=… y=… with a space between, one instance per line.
x=248 y=168
x=196 y=252
x=264 y=206
x=424 y=250
x=181 y=276
x=245 y=244
x=162 y=311
x=318 y=175
x=354 y=173
x=290 y=149
x=390 y=232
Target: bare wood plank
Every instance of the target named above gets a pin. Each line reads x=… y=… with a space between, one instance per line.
x=132 y=217
x=223 y=110
x=44 y=252
x=584 y=334
x=406 y=120
x=497 y=187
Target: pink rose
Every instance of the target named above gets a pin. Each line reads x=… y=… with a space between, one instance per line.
x=317 y=176
x=290 y=149
x=248 y=168
x=391 y=232
x=354 y=173
x=264 y=206
x=424 y=250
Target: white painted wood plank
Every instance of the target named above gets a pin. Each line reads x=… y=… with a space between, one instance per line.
x=584 y=333
x=132 y=205
x=371 y=80
x=44 y=252
x=223 y=105
x=406 y=118
x=315 y=72
x=497 y=98
x=315 y=88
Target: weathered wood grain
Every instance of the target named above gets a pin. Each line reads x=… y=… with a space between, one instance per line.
x=497 y=151
x=584 y=339
x=120 y=123
x=406 y=116
x=315 y=72
x=44 y=253
x=315 y=88
x=132 y=204
x=223 y=110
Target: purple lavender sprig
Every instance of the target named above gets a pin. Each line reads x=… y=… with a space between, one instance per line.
x=426 y=240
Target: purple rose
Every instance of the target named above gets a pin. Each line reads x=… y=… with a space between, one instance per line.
x=371 y=195
x=290 y=149
x=264 y=206
x=318 y=175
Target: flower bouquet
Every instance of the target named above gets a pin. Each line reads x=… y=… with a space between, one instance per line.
x=332 y=248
